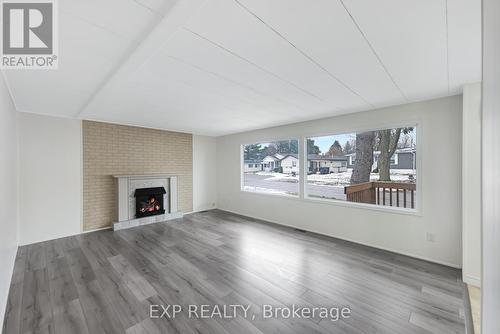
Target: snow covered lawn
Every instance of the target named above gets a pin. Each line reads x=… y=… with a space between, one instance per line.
x=337 y=179
x=321 y=186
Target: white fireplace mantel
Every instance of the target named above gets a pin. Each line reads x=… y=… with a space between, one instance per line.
x=127 y=184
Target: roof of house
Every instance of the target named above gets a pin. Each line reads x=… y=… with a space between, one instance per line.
x=326 y=157
x=290 y=155
x=406 y=150
x=279 y=157
x=273 y=157
x=398 y=151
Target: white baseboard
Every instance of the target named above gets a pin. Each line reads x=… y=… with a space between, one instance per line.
x=65 y=235
x=444 y=263
x=472 y=280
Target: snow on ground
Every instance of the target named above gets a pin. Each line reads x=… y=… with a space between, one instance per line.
x=279 y=177
x=268 y=191
x=337 y=179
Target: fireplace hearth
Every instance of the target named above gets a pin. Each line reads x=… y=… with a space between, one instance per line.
x=149 y=202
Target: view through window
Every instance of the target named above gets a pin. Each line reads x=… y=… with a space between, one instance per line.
x=272 y=167
x=372 y=167
x=376 y=167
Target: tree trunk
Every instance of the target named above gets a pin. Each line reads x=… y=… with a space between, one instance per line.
x=364 y=157
x=388 y=142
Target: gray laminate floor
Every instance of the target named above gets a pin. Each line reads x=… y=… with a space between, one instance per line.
x=106 y=282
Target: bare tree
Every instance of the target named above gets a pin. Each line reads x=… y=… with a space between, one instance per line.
x=364 y=157
x=387 y=144
x=348 y=147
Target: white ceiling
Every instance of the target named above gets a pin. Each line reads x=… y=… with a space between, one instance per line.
x=223 y=66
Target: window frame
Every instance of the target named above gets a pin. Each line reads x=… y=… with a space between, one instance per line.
x=417 y=124
x=302 y=196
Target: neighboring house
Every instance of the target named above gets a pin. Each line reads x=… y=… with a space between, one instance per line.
x=271 y=162
x=403 y=158
x=280 y=156
x=335 y=164
x=290 y=164
x=252 y=166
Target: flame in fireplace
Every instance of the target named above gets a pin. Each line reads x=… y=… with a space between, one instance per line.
x=151 y=205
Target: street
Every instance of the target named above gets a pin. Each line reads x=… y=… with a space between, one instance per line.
x=290 y=187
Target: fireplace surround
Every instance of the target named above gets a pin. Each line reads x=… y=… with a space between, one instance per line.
x=146 y=199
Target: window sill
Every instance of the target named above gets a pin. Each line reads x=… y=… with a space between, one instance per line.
x=335 y=202
x=374 y=207
x=257 y=192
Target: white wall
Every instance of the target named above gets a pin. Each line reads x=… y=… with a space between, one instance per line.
x=440 y=135
x=49 y=177
x=8 y=193
x=204 y=173
x=471 y=184
x=490 y=285
x=50 y=151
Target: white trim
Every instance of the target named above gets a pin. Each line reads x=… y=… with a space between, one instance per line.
x=490 y=178
x=472 y=280
x=336 y=202
x=469 y=221
x=375 y=207
x=444 y=263
x=81 y=175
x=197 y=211
x=303 y=168
x=144 y=176
x=242 y=166
x=257 y=192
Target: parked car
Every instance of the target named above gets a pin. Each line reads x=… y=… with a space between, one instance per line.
x=324 y=170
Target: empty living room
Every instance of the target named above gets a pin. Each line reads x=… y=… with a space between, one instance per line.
x=250 y=166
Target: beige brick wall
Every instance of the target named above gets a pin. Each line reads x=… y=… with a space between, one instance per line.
x=110 y=149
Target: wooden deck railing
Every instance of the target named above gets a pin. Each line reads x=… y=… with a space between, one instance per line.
x=397 y=194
